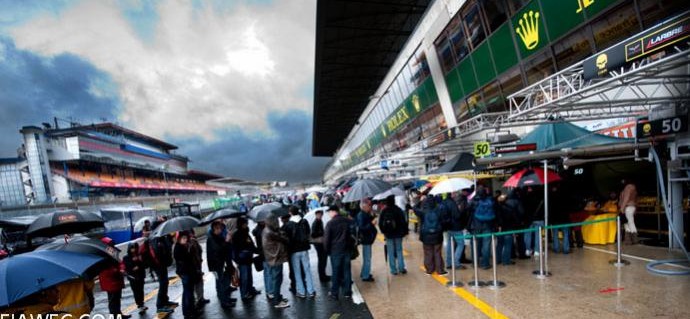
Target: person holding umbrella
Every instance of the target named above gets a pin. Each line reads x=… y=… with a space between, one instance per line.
x=186 y=269
x=112 y=281
x=217 y=250
x=136 y=274
x=338 y=243
x=243 y=253
x=366 y=225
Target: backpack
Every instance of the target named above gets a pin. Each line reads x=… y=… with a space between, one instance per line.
x=160 y=251
x=484 y=211
x=301 y=233
x=387 y=223
x=432 y=222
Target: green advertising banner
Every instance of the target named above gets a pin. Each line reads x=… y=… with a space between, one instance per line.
x=528 y=26
x=562 y=16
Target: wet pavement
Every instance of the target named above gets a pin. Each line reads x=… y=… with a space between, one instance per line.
x=320 y=307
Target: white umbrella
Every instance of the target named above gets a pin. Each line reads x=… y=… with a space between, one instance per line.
x=316 y=188
x=395 y=191
x=451 y=185
x=311 y=215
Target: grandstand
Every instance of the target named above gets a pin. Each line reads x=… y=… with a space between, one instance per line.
x=103 y=160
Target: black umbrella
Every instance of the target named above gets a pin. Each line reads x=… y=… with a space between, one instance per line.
x=365 y=188
x=262 y=212
x=64 y=222
x=221 y=214
x=174 y=225
x=84 y=245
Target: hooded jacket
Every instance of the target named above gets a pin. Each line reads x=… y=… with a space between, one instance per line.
x=274 y=243
x=429 y=206
x=111 y=278
x=132 y=261
x=511 y=213
x=336 y=237
x=217 y=251
x=397 y=215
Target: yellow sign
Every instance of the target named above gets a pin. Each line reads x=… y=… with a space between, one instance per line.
x=415 y=103
x=602 y=59
x=529 y=29
x=482 y=149
x=581 y=4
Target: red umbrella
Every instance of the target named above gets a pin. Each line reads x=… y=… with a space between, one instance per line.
x=530 y=177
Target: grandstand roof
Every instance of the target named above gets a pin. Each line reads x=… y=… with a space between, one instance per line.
x=112 y=127
x=356 y=44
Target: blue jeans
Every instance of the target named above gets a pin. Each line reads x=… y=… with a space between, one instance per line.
x=188 y=295
x=395 y=250
x=530 y=242
x=366 y=262
x=222 y=284
x=246 y=280
x=341 y=275
x=268 y=287
x=301 y=258
x=504 y=248
x=566 y=239
x=459 y=246
x=483 y=243
x=276 y=274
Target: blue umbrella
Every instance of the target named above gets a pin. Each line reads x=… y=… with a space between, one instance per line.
x=26 y=274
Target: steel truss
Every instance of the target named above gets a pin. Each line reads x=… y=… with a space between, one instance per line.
x=626 y=92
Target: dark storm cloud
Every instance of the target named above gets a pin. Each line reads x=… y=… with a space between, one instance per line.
x=34 y=89
x=283 y=155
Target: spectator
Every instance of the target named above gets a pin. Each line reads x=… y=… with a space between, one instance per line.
x=257 y=231
x=244 y=250
x=510 y=215
x=136 y=274
x=458 y=218
x=431 y=234
x=159 y=253
x=197 y=253
x=298 y=232
x=534 y=217
x=338 y=243
x=558 y=215
x=217 y=250
x=393 y=225
x=112 y=281
x=185 y=268
x=483 y=210
x=317 y=241
x=366 y=226
x=146 y=230
x=275 y=252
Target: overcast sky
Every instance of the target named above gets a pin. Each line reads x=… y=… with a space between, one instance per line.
x=229 y=81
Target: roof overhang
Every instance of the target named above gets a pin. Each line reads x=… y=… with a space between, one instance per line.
x=357 y=42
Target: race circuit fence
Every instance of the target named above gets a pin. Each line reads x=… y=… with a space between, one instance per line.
x=542 y=272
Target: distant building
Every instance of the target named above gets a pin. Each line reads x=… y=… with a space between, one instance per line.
x=98 y=160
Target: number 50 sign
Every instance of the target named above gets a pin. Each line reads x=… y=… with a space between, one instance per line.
x=481 y=149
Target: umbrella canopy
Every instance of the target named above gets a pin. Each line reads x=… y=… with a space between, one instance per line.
x=221 y=214
x=139 y=225
x=460 y=162
x=420 y=183
x=84 y=245
x=395 y=191
x=451 y=185
x=64 y=222
x=175 y=224
x=25 y=274
x=530 y=177
x=365 y=188
x=262 y=212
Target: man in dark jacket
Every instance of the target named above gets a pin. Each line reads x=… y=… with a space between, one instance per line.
x=457 y=224
x=431 y=233
x=393 y=225
x=160 y=254
x=243 y=254
x=185 y=268
x=256 y=232
x=276 y=254
x=317 y=241
x=510 y=215
x=217 y=250
x=366 y=226
x=338 y=243
x=198 y=252
x=483 y=209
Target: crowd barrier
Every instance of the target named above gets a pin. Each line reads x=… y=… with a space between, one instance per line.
x=542 y=272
